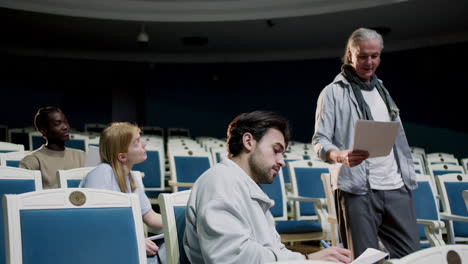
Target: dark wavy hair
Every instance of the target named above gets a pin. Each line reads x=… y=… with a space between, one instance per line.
x=255 y=123
x=42 y=116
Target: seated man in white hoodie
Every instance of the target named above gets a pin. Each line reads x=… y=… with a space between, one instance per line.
x=228 y=218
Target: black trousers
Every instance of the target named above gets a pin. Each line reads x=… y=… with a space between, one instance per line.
x=388 y=215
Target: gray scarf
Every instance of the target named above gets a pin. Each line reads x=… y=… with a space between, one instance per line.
x=357 y=84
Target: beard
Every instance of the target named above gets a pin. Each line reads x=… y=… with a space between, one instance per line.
x=260 y=172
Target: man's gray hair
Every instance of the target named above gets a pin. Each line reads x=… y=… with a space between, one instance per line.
x=357 y=35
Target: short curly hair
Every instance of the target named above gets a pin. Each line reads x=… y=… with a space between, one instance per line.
x=255 y=123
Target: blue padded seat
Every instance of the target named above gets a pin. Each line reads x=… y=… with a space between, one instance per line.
x=179 y=214
x=309 y=184
x=37 y=141
x=16 y=186
x=458 y=206
x=273 y=191
x=13 y=163
x=445 y=162
x=11 y=187
x=152 y=170
x=76 y=144
x=285 y=170
x=188 y=169
x=298 y=227
x=276 y=192
x=6 y=151
x=442 y=172
x=72 y=183
x=73 y=227
x=423 y=246
x=425 y=206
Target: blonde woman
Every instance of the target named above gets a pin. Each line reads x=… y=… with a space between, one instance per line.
x=121 y=147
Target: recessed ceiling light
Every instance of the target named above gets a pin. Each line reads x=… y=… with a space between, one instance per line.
x=143 y=36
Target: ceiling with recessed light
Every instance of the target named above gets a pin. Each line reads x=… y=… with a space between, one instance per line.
x=221 y=31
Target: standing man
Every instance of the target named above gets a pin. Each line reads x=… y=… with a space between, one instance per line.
x=228 y=217
x=374 y=197
x=53 y=155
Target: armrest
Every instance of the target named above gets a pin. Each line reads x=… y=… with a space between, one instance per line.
x=432 y=229
x=319 y=205
x=317 y=201
x=453 y=217
x=181 y=184
x=435 y=224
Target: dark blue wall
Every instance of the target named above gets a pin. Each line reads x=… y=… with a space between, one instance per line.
x=425 y=83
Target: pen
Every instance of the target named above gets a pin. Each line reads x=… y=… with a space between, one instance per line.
x=324 y=244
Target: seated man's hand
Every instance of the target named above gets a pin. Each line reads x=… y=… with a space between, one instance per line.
x=151 y=248
x=333 y=254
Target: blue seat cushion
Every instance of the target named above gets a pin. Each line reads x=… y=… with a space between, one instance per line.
x=297 y=227
x=188 y=169
x=425 y=245
x=274 y=192
x=179 y=213
x=11 y=187
x=458 y=206
x=442 y=172
x=73 y=183
x=13 y=163
x=285 y=170
x=74 y=236
x=309 y=184
x=425 y=205
x=76 y=144
x=37 y=141
x=152 y=169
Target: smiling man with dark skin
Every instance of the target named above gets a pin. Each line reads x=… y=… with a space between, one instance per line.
x=53 y=155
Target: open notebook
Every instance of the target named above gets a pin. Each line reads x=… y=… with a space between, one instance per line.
x=370 y=256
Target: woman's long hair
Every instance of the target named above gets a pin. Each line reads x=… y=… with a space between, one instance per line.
x=116 y=139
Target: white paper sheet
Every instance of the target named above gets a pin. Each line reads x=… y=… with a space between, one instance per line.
x=156 y=237
x=370 y=256
x=92 y=157
x=374 y=136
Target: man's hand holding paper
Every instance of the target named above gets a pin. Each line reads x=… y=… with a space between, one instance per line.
x=349 y=157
